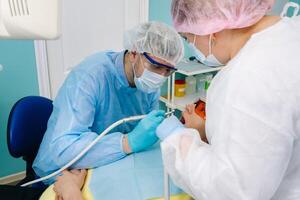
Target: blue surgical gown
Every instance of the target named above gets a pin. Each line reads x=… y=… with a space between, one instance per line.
x=95 y=94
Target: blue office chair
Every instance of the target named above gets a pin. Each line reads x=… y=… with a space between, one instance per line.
x=27 y=124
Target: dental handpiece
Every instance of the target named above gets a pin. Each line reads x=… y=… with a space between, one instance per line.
x=139 y=117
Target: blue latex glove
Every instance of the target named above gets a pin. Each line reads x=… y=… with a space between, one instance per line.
x=168 y=127
x=143 y=135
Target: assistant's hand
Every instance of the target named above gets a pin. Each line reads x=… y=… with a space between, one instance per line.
x=168 y=127
x=68 y=186
x=143 y=135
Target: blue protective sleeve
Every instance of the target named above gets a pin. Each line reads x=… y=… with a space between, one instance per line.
x=75 y=112
x=107 y=150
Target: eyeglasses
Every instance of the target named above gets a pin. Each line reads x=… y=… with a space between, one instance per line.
x=157 y=67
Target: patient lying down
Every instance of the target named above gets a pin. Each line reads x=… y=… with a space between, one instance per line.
x=70 y=185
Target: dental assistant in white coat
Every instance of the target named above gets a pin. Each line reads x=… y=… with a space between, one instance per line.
x=253 y=104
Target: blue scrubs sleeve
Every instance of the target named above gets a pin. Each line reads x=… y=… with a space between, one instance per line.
x=107 y=150
x=73 y=116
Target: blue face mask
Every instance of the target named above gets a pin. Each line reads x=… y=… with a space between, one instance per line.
x=149 y=81
x=210 y=60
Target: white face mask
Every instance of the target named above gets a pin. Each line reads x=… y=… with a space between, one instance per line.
x=210 y=60
x=149 y=81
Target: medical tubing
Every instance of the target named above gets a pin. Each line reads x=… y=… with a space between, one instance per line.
x=87 y=148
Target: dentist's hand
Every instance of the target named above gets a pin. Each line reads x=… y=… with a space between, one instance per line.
x=144 y=134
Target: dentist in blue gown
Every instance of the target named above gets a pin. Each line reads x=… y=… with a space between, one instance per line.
x=104 y=88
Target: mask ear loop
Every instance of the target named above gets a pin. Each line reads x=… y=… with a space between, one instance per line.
x=194 y=43
x=143 y=64
x=210 y=45
x=133 y=67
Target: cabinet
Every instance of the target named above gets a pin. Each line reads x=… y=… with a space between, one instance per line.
x=187 y=68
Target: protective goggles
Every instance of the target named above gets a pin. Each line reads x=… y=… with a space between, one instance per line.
x=157 y=67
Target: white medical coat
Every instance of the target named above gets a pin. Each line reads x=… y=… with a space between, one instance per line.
x=253 y=125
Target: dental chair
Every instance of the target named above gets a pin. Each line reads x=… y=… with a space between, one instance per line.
x=27 y=124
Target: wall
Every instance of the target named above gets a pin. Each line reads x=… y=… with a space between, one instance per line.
x=160 y=10
x=277 y=8
x=17 y=79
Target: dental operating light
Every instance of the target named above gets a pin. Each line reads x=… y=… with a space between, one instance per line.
x=30 y=19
